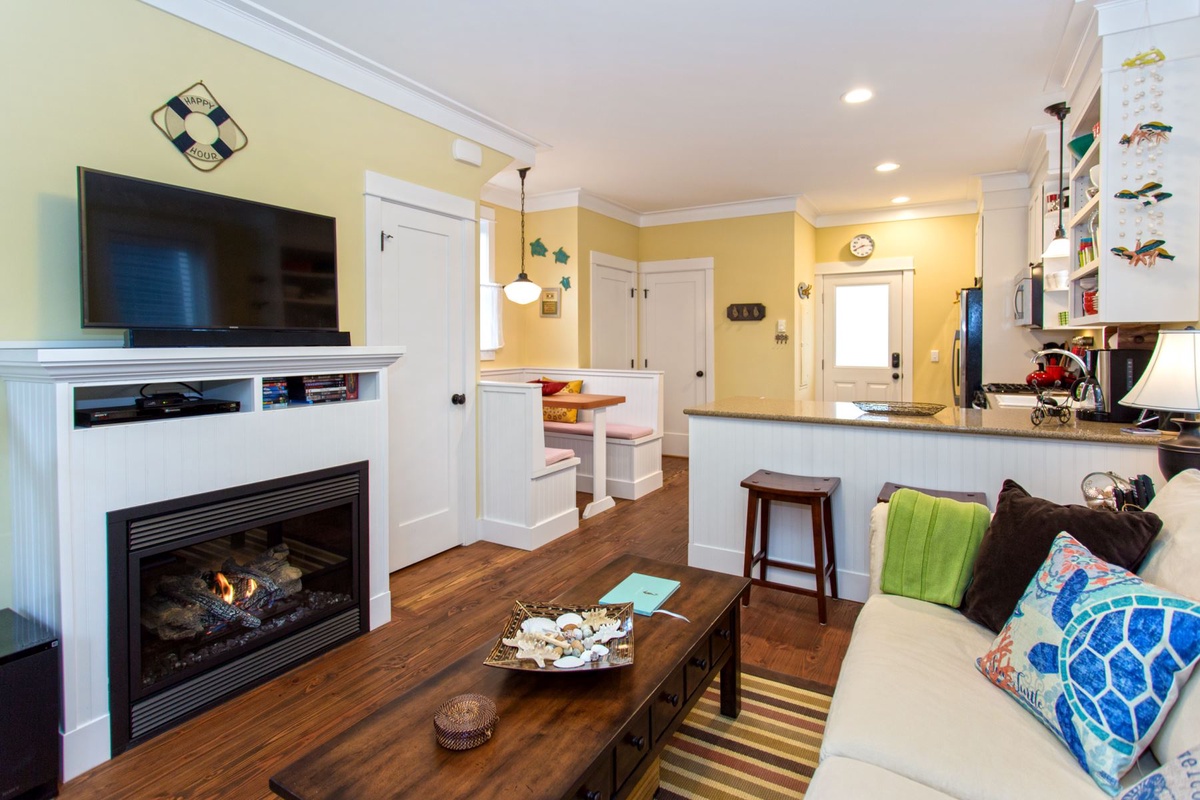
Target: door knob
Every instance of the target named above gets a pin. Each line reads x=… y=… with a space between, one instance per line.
x=699 y=373
x=895 y=376
x=458 y=399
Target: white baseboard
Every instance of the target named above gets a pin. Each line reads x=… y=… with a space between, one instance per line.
x=380 y=609
x=522 y=538
x=626 y=490
x=86 y=747
x=851 y=585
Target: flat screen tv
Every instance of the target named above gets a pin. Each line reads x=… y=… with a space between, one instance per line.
x=167 y=261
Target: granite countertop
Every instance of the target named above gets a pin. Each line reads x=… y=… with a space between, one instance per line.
x=989 y=422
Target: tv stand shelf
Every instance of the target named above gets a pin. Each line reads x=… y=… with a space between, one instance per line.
x=104 y=377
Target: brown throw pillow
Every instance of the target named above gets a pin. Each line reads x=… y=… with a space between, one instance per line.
x=1019 y=538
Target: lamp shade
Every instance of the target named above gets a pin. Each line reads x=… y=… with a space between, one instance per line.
x=1059 y=247
x=522 y=291
x=1171 y=382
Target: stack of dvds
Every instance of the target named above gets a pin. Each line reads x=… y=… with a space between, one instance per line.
x=318 y=388
x=274 y=392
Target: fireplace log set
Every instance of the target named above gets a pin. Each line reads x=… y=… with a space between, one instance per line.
x=184 y=606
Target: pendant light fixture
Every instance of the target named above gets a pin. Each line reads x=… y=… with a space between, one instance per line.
x=1060 y=246
x=522 y=291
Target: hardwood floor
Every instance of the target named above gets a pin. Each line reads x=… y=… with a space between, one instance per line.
x=443 y=607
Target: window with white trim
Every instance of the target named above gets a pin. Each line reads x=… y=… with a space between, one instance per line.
x=491 y=294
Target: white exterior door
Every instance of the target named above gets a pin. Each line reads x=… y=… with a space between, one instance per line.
x=677 y=339
x=422 y=308
x=862 y=342
x=614 y=316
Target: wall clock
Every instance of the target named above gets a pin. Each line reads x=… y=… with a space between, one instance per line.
x=862 y=245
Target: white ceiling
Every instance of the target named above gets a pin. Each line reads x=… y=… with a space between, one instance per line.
x=668 y=104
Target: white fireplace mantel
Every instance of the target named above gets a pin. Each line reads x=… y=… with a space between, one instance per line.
x=65 y=479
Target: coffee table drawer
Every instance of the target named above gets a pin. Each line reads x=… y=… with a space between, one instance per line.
x=668 y=704
x=632 y=746
x=722 y=636
x=598 y=785
x=696 y=667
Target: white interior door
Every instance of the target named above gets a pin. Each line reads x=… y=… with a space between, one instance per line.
x=677 y=339
x=862 y=342
x=614 y=317
x=422 y=308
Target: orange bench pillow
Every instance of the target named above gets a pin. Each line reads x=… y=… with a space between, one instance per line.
x=563 y=414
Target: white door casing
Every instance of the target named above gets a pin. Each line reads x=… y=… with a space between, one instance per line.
x=869 y=374
x=613 y=312
x=677 y=338
x=421 y=287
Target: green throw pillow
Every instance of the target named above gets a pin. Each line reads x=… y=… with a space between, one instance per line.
x=930 y=546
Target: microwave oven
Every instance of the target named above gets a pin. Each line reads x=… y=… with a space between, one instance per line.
x=1027 y=298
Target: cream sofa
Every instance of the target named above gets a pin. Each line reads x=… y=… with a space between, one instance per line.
x=912 y=719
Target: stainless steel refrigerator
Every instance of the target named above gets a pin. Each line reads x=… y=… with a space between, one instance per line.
x=967 y=375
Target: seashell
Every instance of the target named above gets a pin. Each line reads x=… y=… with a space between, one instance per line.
x=570 y=618
x=607 y=635
x=596 y=617
x=569 y=662
x=599 y=650
x=537 y=624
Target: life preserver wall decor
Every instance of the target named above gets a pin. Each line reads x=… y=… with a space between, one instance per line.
x=199 y=127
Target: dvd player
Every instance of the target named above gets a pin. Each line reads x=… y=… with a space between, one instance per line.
x=88 y=417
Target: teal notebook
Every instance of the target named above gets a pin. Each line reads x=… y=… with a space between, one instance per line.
x=646 y=592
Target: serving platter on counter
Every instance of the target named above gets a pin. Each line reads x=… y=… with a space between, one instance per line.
x=903 y=409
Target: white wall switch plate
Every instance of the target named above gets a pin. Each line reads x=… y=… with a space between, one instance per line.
x=935 y=356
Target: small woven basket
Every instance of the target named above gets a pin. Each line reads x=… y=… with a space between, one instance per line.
x=465 y=721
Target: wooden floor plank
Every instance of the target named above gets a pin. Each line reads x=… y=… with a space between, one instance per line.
x=443 y=607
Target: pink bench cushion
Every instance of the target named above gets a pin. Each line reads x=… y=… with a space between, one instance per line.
x=556 y=454
x=614 y=430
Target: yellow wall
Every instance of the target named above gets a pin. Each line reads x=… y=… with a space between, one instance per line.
x=80 y=82
x=753 y=261
x=943 y=252
x=549 y=341
x=601 y=234
x=508 y=258
x=803 y=326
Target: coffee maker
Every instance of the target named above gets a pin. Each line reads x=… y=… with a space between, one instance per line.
x=1115 y=372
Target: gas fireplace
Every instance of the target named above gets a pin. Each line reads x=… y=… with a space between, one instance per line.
x=213 y=594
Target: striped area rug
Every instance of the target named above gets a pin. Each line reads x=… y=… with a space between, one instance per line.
x=768 y=752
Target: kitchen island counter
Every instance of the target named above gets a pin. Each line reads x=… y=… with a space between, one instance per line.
x=955 y=450
x=989 y=422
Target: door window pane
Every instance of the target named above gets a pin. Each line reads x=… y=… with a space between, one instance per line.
x=861 y=320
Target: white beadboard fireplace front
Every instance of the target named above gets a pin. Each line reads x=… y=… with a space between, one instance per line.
x=66 y=478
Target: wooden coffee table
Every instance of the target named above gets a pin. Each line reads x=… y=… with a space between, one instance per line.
x=589 y=735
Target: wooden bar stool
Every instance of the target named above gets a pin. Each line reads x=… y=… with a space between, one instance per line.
x=889 y=489
x=815 y=493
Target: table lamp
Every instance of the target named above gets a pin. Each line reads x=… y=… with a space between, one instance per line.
x=1172 y=383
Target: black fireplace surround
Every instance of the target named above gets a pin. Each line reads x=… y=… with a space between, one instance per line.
x=212 y=594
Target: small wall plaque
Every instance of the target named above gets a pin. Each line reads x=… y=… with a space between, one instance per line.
x=551 y=305
x=746 y=312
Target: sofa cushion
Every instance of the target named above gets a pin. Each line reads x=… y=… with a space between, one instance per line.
x=1176 y=778
x=1019 y=538
x=550 y=387
x=563 y=414
x=1174 y=563
x=845 y=778
x=1097 y=655
x=613 y=430
x=909 y=700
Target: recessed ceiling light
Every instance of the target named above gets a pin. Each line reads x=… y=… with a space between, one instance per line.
x=858 y=95
x=887 y=166
x=901 y=199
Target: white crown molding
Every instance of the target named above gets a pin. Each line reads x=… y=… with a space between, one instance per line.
x=898 y=214
x=743 y=208
x=609 y=208
x=552 y=201
x=1003 y=181
x=249 y=24
x=499 y=196
x=807 y=211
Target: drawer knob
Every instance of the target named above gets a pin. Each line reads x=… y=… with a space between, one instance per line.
x=725 y=634
x=672 y=698
x=591 y=795
x=635 y=740
x=700 y=663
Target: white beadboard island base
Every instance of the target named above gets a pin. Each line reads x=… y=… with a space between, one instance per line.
x=956 y=450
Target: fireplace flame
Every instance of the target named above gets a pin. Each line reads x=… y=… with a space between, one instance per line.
x=251 y=588
x=224 y=588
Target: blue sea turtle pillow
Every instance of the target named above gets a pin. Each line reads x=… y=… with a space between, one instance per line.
x=1096 y=654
